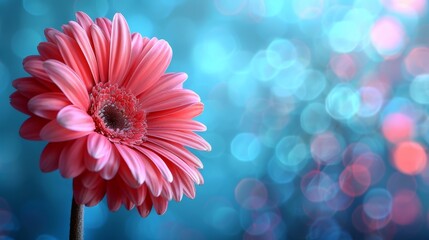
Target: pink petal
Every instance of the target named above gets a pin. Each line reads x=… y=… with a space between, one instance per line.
x=49 y=50
x=50 y=34
x=69 y=83
x=112 y=165
x=171 y=99
x=84 y=20
x=84 y=43
x=53 y=132
x=136 y=195
x=47 y=105
x=137 y=44
x=145 y=208
x=101 y=49
x=31 y=128
x=50 y=157
x=74 y=58
x=88 y=196
x=19 y=102
x=120 y=50
x=29 y=86
x=184 y=112
x=134 y=164
x=159 y=163
x=73 y=118
x=167 y=191
x=185 y=138
x=98 y=145
x=160 y=205
x=177 y=124
x=175 y=160
x=71 y=159
x=34 y=66
x=153 y=181
x=167 y=82
x=177 y=187
x=179 y=151
x=90 y=180
x=114 y=196
x=188 y=186
x=105 y=26
x=151 y=68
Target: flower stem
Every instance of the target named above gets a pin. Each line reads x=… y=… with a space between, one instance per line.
x=76 y=221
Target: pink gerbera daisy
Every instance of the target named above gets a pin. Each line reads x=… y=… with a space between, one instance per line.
x=115 y=121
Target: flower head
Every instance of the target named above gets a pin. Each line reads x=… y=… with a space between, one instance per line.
x=115 y=121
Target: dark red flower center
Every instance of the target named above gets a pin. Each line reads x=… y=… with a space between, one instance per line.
x=117 y=114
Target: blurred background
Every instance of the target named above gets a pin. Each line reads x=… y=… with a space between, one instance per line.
x=316 y=112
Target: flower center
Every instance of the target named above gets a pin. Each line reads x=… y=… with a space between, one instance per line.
x=117 y=115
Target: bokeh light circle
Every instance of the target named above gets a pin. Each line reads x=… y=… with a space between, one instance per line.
x=355 y=180
x=251 y=193
x=419 y=89
x=397 y=127
x=281 y=53
x=388 y=36
x=377 y=203
x=318 y=186
x=245 y=147
x=343 y=102
x=409 y=157
x=311 y=112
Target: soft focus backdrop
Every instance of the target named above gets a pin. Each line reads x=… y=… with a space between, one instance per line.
x=316 y=112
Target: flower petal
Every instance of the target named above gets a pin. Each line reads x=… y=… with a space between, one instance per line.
x=114 y=196
x=105 y=26
x=183 y=112
x=151 y=68
x=50 y=34
x=47 y=105
x=112 y=165
x=84 y=20
x=50 y=156
x=88 y=196
x=73 y=57
x=167 y=82
x=158 y=162
x=134 y=164
x=34 y=66
x=98 y=145
x=145 y=208
x=171 y=99
x=177 y=124
x=160 y=204
x=188 y=170
x=49 y=50
x=84 y=43
x=185 y=138
x=19 y=102
x=90 y=180
x=101 y=49
x=29 y=86
x=75 y=119
x=179 y=151
x=53 y=132
x=31 y=128
x=69 y=83
x=71 y=159
x=136 y=195
x=120 y=49
x=102 y=148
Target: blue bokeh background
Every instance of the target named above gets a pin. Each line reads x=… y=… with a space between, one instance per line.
x=316 y=111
